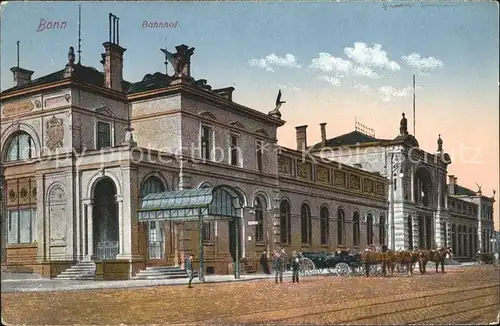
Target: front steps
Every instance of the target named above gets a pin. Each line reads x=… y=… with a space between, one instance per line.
x=80 y=271
x=162 y=273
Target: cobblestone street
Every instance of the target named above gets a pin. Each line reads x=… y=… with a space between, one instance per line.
x=462 y=295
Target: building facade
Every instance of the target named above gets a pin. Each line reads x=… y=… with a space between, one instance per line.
x=81 y=148
x=425 y=211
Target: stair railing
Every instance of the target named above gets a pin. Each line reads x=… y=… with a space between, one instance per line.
x=107 y=250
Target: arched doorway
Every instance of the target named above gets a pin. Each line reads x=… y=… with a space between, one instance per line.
x=105 y=220
x=423 y=187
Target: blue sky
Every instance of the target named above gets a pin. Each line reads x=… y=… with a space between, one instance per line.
x=230 y=34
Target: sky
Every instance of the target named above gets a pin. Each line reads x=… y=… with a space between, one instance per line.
x=334 y=62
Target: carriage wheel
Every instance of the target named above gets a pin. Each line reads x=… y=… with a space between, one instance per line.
x=375 y=269
x=343 y=269
x=401 y=268
x=306 y=266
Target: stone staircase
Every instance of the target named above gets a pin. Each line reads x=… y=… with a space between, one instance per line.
x=162 y=273
x=80 y=271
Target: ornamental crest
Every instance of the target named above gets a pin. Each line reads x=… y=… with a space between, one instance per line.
x=55 y=133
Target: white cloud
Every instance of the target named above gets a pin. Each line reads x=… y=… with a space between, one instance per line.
x=366 y=72
x=365 y=89
x=325 y=62
x=388 y=93
x=266 y=63
x=293 y=89
x=332 y=80
x=373 y=57
x=422 y=65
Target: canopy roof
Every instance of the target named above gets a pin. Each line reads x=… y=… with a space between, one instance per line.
x=212 y=203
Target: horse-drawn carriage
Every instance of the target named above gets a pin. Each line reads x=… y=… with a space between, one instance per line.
x=374 y=260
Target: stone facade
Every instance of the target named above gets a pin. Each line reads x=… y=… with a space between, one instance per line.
x=85 y=193
x=419 y=193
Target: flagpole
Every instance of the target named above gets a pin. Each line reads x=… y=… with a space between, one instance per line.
x=413 y=105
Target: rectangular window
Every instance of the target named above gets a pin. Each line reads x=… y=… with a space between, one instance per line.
x=260 y=152
x=235 y=157
x=103 y=135
x=206 y=231
x=206 y=142
x=22 y=226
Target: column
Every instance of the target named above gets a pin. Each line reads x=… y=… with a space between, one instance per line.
x=89 y=237
x=412 y=192
x=439 y=194
x=416 y=231
x=119 y=201
x=78 y=233
x=41 y=208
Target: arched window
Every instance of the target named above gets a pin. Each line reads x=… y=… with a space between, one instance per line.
x=21 y=147
x=285 y=223
x=409 y=225
x=369 y=229
x=355 y=229
x=156 y=233
x=381 y=229
x=259 y=218
x=340 y=227
x=305 y=224
x=151 y=185
x=324 y=226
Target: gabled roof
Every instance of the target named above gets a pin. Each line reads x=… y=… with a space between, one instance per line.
x=351 y=138
x=354 y=138
x=462 y=191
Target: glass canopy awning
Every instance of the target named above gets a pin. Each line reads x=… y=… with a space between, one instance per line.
x=212 y=203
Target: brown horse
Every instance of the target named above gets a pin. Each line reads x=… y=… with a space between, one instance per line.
x=405 y=258
x=371 y=257
x=435 y=255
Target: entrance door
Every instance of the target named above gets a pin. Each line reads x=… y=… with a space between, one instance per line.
x=105 y=220
x=156 y=244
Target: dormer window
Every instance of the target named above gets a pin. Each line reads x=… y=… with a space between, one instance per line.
x=103 y=135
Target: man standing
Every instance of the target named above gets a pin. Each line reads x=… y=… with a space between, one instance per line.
x=278 y=267
x=295 y=267
x=189 y=269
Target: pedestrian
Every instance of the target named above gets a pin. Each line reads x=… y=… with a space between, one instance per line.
x=189 y=269
x=295 y=267
x=263 y=263
x=278 y=267
x=496 y=258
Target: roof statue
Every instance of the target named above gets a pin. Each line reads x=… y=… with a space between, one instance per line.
x=276 y=112
x=69 y=70
x=479 y=186
x=403 y=126
x=180 y=60
x=440 y=144
x=71 y=55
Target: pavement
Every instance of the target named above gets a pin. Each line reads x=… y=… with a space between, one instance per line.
x=32 y=282
x=463 y=295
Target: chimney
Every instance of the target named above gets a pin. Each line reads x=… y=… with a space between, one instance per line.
x=323 y=134
x=21 y=76
x=452 y=181
x=113 y=57
x=301 y=137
